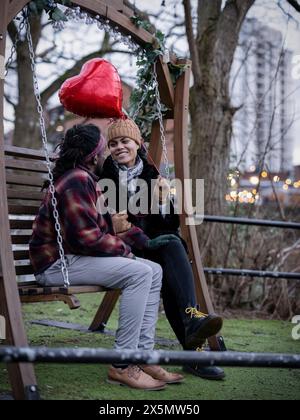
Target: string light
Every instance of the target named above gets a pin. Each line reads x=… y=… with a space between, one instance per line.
x=264 y=174
x=103 y=24
x=254 y=180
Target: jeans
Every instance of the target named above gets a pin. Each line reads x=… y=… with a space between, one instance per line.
x=140 y=281
x=178 y=290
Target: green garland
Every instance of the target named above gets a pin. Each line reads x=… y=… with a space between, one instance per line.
x=37 y=7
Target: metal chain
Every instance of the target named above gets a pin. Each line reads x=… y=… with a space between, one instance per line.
x=161 y=125
x=141 y=103
x=58 y=229
x=14 y=46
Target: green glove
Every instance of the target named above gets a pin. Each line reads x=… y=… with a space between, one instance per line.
x=161 y=241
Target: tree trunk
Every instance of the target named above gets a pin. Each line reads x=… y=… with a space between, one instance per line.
x=211 y=110
x=209 y=159
x=27 y=129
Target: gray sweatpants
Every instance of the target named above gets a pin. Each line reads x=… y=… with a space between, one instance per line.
x=140 y=281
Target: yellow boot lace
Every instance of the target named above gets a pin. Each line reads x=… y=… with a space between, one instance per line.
x=201 y=349
x=195 y=313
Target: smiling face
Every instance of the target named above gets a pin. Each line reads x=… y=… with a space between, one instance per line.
x=124 y=151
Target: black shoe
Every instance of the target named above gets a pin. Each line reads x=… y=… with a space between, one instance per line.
x=200 y=327
x=212 y=373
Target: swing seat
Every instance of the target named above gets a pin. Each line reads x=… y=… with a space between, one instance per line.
x=26 y=171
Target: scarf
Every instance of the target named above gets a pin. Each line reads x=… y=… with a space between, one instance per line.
x=128 y=176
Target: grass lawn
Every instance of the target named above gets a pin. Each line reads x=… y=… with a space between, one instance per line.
x=82 y=382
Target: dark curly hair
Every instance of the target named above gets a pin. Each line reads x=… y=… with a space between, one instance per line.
x=78 y=143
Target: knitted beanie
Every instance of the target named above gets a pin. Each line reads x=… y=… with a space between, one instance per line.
x=124 y=128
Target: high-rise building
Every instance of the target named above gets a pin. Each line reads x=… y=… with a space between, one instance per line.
x=262 y=86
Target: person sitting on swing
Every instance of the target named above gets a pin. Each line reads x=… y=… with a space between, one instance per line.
x=96 y=254
x=191 y=327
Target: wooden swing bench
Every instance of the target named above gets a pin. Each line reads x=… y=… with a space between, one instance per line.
x=25 y=173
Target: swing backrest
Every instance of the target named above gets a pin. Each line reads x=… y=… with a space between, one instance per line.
x=25 y=173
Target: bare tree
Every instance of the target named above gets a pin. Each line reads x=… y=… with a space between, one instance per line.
x=295 y=4
x=212 y=53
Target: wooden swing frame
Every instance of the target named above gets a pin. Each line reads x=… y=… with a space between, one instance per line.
x=22 y=376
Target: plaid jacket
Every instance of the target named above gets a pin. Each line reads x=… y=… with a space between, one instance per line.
x=85 y=230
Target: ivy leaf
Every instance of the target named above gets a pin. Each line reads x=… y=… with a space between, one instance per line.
x=160 y=36
x=57 y=15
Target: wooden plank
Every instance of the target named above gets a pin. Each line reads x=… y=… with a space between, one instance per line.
x=22 y=270
x=34 y=288
x=155 y=148
x=120 y=7
x=23 y=210
x=27 y=283
x=183 y=172
x=32 y=181
x=117 y=4
x=21 y=152
x=166 y=87
x=21 y=376
x=20 y=239
x=70 y=300
x=21 y=255
x=25 y=165
x=17 y=193
x=21 y=224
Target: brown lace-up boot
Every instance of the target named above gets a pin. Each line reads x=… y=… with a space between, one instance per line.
x=157 y=372
x=199 y=327
x=134 y=377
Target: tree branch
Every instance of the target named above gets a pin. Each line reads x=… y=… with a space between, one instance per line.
x=294 y=4
x=106 y=48
x=192 y=41
x=12 y=31
x=229 y=26
x=8 y=100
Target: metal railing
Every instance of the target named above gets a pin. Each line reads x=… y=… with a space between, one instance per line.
x=250 y=222
x=138 y=357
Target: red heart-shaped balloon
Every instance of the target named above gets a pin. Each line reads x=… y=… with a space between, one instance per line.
x=95 y=93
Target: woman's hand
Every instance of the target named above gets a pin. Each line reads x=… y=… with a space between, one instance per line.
x=160 y=241
x=120 y=223
x=132 y=256
x=162 y=190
